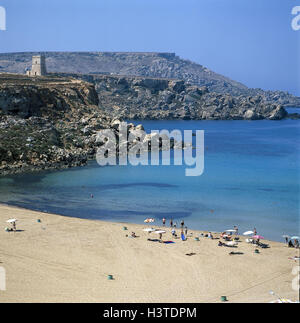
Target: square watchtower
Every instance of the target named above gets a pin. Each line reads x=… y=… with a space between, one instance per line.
x=38 y=66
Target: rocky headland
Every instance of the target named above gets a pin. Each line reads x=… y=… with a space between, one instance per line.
x=140 y=98
x=52 y=121
x=152 y=64
x=49 y=122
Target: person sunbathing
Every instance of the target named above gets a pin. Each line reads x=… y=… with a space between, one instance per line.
x=133 y=235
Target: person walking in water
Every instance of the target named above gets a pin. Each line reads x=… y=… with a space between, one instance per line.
x=164 y=221
x=182 y=224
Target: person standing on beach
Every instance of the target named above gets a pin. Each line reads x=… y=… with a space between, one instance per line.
x=186 y=231
x=164 y=221
x=171 y=223
x=255 y=232
x=173 y=233
x=14 y=226
x=236 y=229
x=175 y=224
x=182 y=224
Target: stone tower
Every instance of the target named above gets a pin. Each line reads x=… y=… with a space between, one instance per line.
x=38 y=66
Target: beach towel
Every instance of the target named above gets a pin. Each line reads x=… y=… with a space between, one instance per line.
x=169 y=242
x=183 y=238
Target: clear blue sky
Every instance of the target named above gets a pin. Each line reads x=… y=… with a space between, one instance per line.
x=250 y=41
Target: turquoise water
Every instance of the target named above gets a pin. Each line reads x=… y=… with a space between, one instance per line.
x=251 y=179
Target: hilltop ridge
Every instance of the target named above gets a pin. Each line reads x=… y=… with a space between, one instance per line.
x=145 y=64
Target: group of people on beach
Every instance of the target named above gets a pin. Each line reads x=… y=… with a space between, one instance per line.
x=173 y=225
x=290 y=243
x=184 y=229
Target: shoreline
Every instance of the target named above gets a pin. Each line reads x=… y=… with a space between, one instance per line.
x=117 y=222
x=65 y=259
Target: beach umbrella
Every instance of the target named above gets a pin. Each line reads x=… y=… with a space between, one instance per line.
x=230 y=230
x=11 y=220
x=248 y=233
x=159 y=231
x=149 y=220
x=295 y=237
x=149 y=230
x=257 y=237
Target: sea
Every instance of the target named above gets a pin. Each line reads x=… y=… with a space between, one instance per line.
x=250 y=180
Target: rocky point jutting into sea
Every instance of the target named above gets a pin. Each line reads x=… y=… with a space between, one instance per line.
x=52 y=121
x=49 y=122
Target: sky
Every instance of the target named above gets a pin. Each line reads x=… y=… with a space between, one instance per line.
x=250 y=41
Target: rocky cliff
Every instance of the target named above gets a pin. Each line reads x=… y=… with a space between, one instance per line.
x=152 y=98
x=48 y=122
x=157 y=65
x=53 y=121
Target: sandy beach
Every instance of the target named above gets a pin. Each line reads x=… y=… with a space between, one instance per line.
x=63 y=259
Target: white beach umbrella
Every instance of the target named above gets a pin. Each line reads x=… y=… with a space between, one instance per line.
x=149 y=230
x=11 y=220
x=248 y=233
x=230 y=230
x=159 y=231
x=295 y=237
